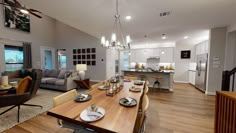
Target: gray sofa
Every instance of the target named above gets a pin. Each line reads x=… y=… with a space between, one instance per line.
x=59 y=79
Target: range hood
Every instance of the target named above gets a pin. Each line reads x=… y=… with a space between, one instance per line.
x=153 y=57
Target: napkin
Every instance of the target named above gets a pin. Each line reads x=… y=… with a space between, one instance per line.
x=127 y=80
x=93 y=114
x=129 y=100
x=83 y=96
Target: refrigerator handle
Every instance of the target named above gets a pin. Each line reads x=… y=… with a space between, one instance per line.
x=199 y=68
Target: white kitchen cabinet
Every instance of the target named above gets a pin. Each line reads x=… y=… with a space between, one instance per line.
x=202 y=48
x=138 y=55
x=192 y=75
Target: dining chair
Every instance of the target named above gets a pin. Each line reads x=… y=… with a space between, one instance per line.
x=146 y=89
x=144 y=117
x=141 y=117
x=63 y=98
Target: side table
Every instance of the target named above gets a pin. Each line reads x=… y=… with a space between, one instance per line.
x=83 y=83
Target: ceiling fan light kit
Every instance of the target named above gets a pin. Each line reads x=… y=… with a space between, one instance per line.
x=18 y=7
x=117 y=28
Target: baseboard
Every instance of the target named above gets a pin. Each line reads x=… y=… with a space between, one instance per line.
x=176 y=81
x=210 y=93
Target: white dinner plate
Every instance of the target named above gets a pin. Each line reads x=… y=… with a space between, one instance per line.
x=84 y=115
x=135 y=89
x=5 y=87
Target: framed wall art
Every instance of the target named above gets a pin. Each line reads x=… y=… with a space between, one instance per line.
x=185 y=54
x=84 y=56
x=14 y=19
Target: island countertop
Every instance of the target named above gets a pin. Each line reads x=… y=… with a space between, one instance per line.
x=166 y=77
x=149 y=71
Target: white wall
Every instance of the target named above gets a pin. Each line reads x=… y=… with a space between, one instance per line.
x=70 y=38
x=42 y=34
x=231 y=28
x=217 y=44
x=230 y=51
x=182 y=65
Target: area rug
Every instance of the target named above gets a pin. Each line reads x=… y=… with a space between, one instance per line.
x=43 y=98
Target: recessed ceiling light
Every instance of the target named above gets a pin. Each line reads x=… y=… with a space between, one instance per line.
x=163 y=36
x=186 y=37
x=128 y=17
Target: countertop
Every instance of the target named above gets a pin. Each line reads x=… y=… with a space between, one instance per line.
x=148 y=71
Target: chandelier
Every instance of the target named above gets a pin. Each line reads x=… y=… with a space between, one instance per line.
x=117 y=32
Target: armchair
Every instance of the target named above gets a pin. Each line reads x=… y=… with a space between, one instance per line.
x=17 y=100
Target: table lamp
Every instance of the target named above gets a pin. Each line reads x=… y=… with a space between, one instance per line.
x=81 y=68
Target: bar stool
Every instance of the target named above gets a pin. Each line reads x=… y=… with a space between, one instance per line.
x=157 y=83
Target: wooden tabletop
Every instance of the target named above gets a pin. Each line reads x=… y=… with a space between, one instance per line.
x=117 y=118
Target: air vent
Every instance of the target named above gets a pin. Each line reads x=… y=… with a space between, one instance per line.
x=164 y=14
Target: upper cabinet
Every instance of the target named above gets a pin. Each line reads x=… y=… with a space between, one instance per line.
x=141 y=55
x=202 y=48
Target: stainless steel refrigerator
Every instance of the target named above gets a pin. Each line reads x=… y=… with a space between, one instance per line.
x=201 y=72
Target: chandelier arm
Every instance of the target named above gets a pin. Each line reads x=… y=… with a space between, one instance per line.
x=122 y=35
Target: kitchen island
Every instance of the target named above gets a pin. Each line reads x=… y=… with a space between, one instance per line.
x=166 y=81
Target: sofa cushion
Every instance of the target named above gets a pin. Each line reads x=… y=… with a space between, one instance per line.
x=60 y=82
x=12 y=74
x=51 y=73
x=14 y=79
x=52 y=81
x=45 y=79
x=62 y=74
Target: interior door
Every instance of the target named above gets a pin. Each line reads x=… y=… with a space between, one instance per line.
x=47 y=58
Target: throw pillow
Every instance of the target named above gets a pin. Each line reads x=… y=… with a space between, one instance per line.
x=62 y=73
x=24 y=73
x=23 y=85
x=54 y=73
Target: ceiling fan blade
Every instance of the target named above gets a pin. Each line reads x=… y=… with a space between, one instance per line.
x=34 y=14
x=33 y=10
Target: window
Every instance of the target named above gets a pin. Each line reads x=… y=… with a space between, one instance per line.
x=14 y=57
x=61 y=58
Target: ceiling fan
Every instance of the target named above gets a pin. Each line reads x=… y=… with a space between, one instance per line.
x=21 y=8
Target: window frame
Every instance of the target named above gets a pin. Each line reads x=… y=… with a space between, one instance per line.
x=20 y=48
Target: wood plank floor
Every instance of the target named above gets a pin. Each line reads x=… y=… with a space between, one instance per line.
x=186 y=110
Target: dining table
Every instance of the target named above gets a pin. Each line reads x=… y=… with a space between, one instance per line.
x=117 y=118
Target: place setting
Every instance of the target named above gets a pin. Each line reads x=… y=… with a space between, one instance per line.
x=135 y=89
x=128 y=102
x=83 y=97
x=103 y=87
x=138 y=82
x=92 y=113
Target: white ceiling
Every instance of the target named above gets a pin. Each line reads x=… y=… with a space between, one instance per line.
x=188 y=17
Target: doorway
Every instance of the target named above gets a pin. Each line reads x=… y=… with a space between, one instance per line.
x=47 y=58
x=61 y=56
